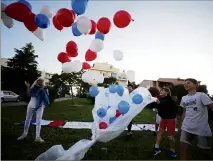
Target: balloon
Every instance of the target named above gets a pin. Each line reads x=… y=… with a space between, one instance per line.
x=87 y=77
x=93 y=29
x=66 y=67
x=30 y=23
x=77 y=66
x=90 y=55
x=56 y=24
x=103 y=25
x=118 y=113
x=84 y=25
x=101 y=112
x=42 y=21
x=99 y=78
x=17 y=11
x=111 y=112
x=112 y=88
x=72 y=49
x=46 y=11
x=86 y=65
x=97 y=45
x=137 y=99
x=123 y=107
x=75 y=30
x=103 y=125
x=130 y=75
x=26 y=4
x=39 y=34
x=122 y=19
x=93 y=91
x=73 y=14
x=112 y=119
x=79 y=6
x=65 y=17
x=118 y=55
x=63 y=57
x=99 y=35
x=7 y=21
x=120 y=90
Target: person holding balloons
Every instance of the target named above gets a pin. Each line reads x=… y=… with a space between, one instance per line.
x=129 y=127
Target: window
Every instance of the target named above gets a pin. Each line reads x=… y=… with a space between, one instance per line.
x=11 y=93
x=6 y=93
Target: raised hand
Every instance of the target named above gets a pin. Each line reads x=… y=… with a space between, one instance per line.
x=27 y=84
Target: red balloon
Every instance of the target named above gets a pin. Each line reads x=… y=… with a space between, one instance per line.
x=90 y=55
x=103 y=125
x=118 y=113
x=56 y=24
x=73 y=14
x=103 y=25
x=122 y=19
x=63 y=57
x=93 y=29
x=86 y=65
x=18 y=11
x=30 y=23
x=72 y=49
x=65 y=17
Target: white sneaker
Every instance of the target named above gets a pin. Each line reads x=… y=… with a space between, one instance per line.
x=22 y=137
x=39 y=139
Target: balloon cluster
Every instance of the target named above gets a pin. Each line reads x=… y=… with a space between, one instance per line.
x=92 y=78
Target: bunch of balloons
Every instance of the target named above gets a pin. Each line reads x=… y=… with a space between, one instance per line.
x=92 y=78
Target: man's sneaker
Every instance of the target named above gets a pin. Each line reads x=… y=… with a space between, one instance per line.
x=156 y=151
x=22 y=137
x=39 y=139
x=172 y=154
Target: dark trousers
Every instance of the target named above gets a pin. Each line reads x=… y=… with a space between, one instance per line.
x=129 y=127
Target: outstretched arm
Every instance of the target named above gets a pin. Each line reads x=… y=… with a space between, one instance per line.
x=28 y=88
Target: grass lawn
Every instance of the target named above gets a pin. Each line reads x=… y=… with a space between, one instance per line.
x=121 y=148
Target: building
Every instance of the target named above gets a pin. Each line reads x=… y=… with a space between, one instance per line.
x=46 y=76
x=3 y=62
x=109 y=70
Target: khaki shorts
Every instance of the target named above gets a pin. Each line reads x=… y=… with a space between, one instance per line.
x=203 y=142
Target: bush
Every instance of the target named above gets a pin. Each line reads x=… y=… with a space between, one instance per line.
x=52 y=94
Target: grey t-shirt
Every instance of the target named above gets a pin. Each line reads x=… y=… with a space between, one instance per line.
x=196 y=115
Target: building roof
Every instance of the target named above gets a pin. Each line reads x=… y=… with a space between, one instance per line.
x=173 y=80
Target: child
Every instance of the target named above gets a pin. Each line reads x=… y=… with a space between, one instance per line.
x=39 y=99
x=167 y=110
x=129 y=127
x=195 y=119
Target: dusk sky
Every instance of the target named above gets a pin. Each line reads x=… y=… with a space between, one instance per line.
x=168 y=39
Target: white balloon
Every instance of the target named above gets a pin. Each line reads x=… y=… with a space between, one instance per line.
x=66 y=67
x=118 y=55
x=77 y=66
x=99 y=78
x=130 y=74
x=46 y=11
x=111 y=112
x=97 y=45
x=7 y=21
x=87 y=77
x=39 y=33
x=84 y=25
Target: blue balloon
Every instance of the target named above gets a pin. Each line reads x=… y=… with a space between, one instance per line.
x=123 y=107
x=79 y=6
x=120 y=90
x=25 y=3
x=99 y=35
x=75 y=30
x=137 y=99
x=112 y=119
x=93 y=91
x=101 y=112
x=112 y=88
x=42 y=21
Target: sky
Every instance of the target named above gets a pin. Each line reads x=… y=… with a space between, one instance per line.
x=168 y=39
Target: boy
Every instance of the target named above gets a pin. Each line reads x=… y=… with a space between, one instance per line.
x=195 y=119
x=167 y=110
x=129 y=127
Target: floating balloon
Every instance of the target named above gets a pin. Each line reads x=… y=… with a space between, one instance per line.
x=39 y=33
x=130 y=75
x=118 y=55
x=56 y=24
x=84 y=25
x=117 y=113
x=112 y=119
x=101 y=112
x=99 y=35
x=7 y=21
x=72 y=49
x=122 y=19
x=99 y=78
x=46 y=11
x=65 y=17
x=30 y=23
x=42 y=21
x=104 y=25
x=93 y=91
x=87 y=77
x=123 y=107
x=103 y=125
x=26 y=4
x=73 y=14
x=97 y=45
x=79 y=6
x=120 y=90
x=75 y=30
x=93 y=29
x=63 y=57
x=137 y=99
x=77 y=66
x=112 y=88
x=90 y=55
x=66 y=67
x=86 y=66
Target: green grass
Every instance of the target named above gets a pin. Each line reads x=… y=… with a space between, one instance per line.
x=121 y=148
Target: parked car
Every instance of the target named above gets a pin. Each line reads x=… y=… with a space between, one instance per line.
x=9 y=96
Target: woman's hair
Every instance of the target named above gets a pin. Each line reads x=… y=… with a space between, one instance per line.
x=166 y=90
x=36 y=82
